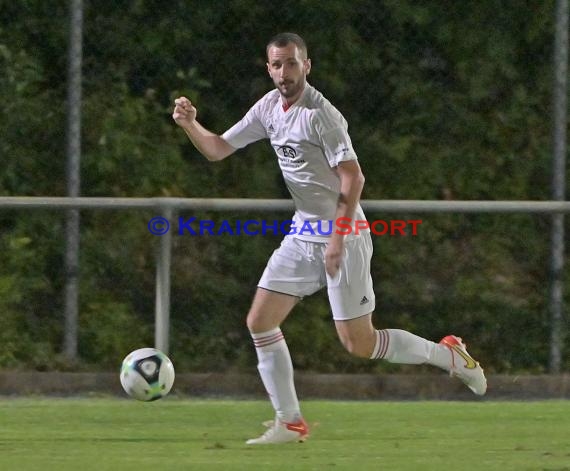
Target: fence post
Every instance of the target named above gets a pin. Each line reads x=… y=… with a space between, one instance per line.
x=73 y=145
x=556 y=302
x=162 y=313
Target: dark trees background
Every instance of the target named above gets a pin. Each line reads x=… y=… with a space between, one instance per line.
x=445 y=100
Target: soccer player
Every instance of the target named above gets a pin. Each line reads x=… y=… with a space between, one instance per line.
x=320 y=167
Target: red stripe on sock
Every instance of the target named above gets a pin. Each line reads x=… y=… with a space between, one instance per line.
x=381 y=344
x=270 y=340
x=268 y=337
x=267 y=344
x=384 y=342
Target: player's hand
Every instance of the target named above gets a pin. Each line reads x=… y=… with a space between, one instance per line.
x=184 y=112
x=333 y=256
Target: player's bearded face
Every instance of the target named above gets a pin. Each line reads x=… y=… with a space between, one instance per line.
x=288 y=69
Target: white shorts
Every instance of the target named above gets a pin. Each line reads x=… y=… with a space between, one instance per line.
x=297 y=268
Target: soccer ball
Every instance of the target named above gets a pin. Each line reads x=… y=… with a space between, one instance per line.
x=147 y=374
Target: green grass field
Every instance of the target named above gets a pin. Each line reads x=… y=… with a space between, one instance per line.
x=175 y=434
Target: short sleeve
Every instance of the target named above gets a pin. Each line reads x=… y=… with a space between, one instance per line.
x=249 y=129
x=332 y=131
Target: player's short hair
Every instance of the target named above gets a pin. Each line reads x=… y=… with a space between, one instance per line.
x=284 y=39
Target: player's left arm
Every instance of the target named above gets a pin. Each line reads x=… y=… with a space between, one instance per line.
x=351 y=184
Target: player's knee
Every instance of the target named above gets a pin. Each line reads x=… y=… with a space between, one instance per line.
x=356 y=346
x=357 y=336
x=252 y=321
x=258 y=322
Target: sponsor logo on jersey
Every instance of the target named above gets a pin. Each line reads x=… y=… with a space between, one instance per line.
x=287 y=151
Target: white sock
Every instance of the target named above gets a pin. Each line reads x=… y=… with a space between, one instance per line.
x=399 y=346
x=276 y=370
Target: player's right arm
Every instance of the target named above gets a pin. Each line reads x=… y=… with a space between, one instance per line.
x=210 y=145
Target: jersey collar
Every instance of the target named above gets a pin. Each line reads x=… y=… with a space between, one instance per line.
x=285 y=108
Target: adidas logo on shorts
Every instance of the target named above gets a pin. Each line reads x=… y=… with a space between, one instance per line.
x=364 y=300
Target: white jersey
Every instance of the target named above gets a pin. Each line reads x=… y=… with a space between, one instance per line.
x=310 y=139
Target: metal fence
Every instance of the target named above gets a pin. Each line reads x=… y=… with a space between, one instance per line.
x=167 y=207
